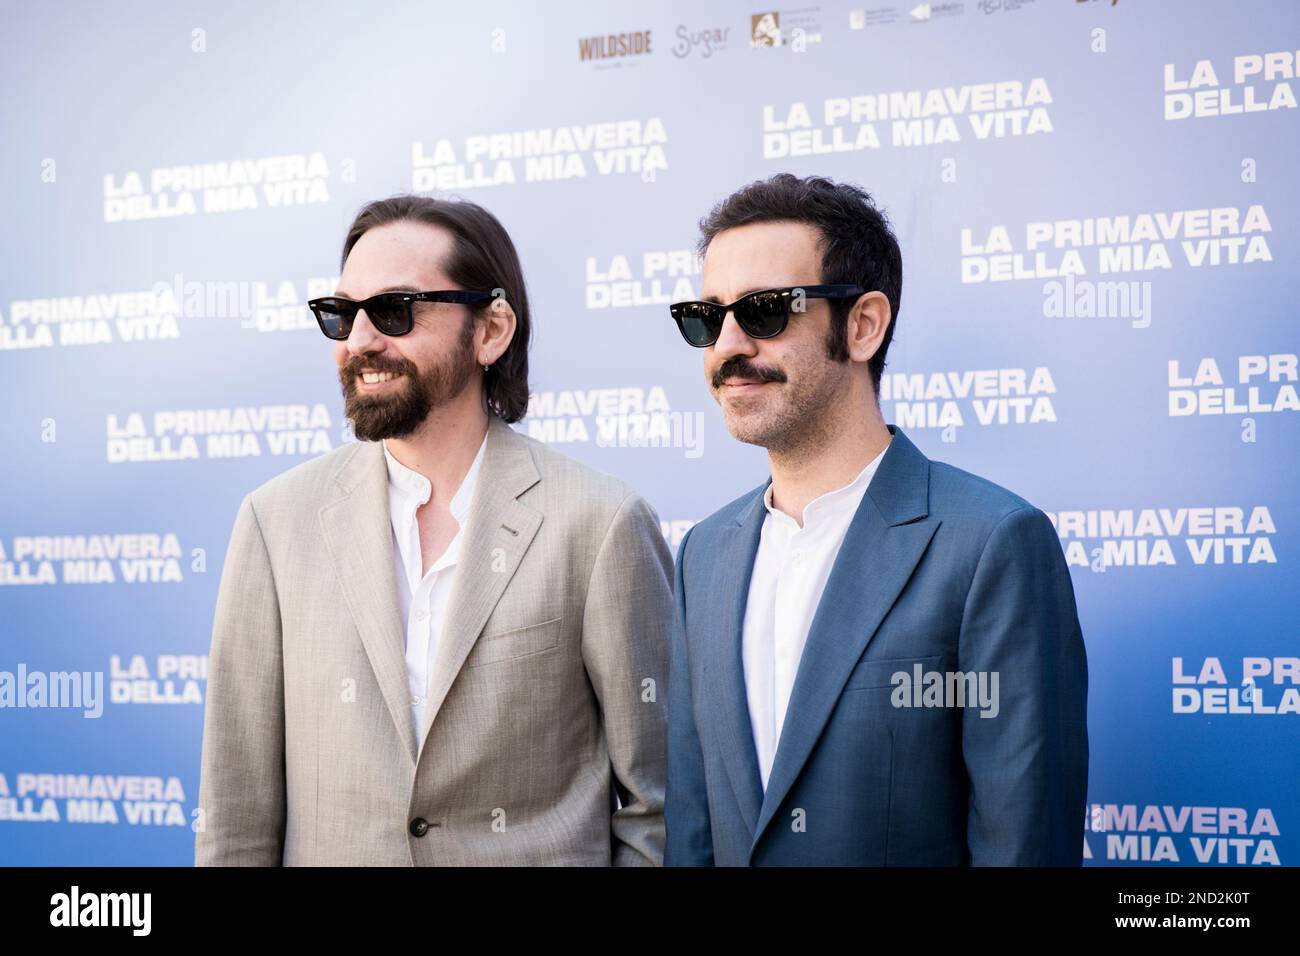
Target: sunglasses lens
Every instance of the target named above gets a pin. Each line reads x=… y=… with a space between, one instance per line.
x=335 y=319
x=763 y=315
x=388 y=314
x=700 y=322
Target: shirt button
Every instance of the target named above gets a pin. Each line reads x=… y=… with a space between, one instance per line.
x=797 y=555
x=417 y=700
x=421 y=615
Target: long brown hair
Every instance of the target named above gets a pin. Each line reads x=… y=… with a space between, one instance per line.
x=483 y=258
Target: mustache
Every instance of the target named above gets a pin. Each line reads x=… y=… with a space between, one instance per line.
x=352 y=368
x=739 y=367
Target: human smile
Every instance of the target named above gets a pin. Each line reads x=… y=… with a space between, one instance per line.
x=376 y=381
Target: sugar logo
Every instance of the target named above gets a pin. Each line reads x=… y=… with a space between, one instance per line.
x=133 y=910
x=706 y=41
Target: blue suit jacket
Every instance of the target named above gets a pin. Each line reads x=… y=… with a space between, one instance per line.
x=938 y=568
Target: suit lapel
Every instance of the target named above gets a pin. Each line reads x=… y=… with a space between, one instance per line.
x=724 y=668
x=499 y=530
x=886 y=538
x=358 y=533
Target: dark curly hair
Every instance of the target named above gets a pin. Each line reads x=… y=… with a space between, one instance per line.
x=857 y=243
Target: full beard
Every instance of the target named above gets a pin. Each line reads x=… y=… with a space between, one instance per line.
x=400 y=413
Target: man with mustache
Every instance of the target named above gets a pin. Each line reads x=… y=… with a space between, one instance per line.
x=440 y=644
x=840 y=627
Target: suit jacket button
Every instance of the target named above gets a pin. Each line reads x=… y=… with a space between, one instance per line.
x=419 y=827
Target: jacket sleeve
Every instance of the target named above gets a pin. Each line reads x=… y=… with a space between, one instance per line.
x=624 y=646
x=1027 y=766
x=242 y=780
x=690 y=839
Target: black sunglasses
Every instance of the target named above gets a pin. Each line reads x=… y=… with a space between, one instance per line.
x=761 y=314
x=389 y=312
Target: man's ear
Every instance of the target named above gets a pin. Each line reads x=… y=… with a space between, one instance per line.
x=867 y=323
x=496 y=328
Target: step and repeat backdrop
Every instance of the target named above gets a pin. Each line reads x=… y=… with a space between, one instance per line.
x=1098 y=211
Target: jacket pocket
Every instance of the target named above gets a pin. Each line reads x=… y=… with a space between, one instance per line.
x=516 y=643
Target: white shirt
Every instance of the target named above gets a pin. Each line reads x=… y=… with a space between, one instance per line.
x=790 y=573
x=423 y=597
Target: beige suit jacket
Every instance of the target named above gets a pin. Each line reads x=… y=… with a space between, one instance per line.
x=544 y=741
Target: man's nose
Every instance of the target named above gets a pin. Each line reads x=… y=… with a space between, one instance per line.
x=732 y=341
x=363 y=336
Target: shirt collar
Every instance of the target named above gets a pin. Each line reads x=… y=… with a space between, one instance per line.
x=410 y=483
x=850 y=494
